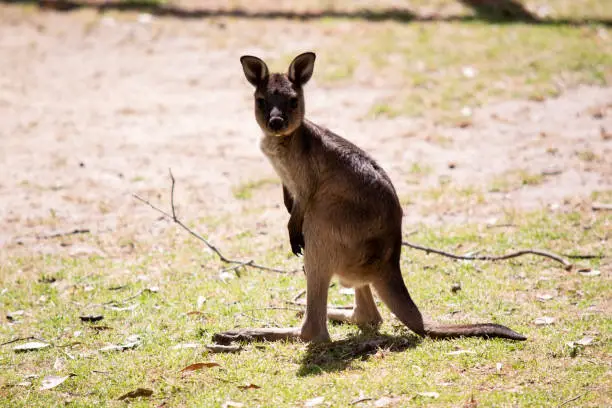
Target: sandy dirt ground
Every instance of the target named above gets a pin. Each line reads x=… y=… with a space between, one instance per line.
x=93 y=109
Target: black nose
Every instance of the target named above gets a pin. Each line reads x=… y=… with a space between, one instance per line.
x=276 y=123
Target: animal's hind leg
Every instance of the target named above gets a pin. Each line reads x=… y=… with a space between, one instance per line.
x=365 y=313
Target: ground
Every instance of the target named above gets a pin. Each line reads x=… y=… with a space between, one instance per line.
x=97 y=107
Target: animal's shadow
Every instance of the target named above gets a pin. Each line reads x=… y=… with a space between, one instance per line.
x=339 y=355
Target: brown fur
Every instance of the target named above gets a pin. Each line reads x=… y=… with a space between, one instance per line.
x=345 y=214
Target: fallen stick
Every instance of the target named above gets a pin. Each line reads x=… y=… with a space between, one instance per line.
x=573 y=399
x=568 y=266
x=24 y=338
x=75 y=231
x=601 y=207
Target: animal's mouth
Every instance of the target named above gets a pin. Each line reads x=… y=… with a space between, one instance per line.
x=282 y=134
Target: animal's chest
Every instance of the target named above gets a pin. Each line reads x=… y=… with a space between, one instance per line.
x=280 y=158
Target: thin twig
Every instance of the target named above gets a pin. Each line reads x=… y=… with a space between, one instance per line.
x=24 y=338
x=428 y=250
x=292 y=309
x=16 y=340
x=299 y=295
x=573 y=399
x=75 y=231
x=601 y=207
x=119 y=302
x=238 y=266
x=19 y=239
x=177 y=221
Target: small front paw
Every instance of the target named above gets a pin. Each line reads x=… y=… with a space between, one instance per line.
x=297 y=243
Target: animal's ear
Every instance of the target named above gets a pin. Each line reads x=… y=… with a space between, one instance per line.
x=300 y=70
x=254 y=69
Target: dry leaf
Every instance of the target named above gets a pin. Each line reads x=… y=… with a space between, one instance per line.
x=100 y=328
x=347 y=291
x=458 y=352
x=228 y=404
x=122 y=309
x=471 y=403
x=145 y=18
x=218 y=348
x=249 y=386
x=185 y=346
x=12 y=316
x=112 y=347
x=361 y=398
x=24 y=384
x=31 y=346
x=498 y=367
x=589 y=272
x=429 y=394
x=52 y=381
x=200 y=302
x=585 y=341
x=544 y=297
x=121 y=347
x=91 y=318
x=385 y=401
x=138 y=392
x=225 y=276
x=469 y=72
x=59 y=364
x=314 y=402
x=544 y=321
x=85 y=250
x=466 y=111
x=199 y=366
x=195 y=313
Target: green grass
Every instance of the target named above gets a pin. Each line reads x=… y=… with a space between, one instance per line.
x=245 y=190
x=53 y=290
x=437 y=69
x=515 y=179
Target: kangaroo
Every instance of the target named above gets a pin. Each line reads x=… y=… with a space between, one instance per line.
x=345 y=216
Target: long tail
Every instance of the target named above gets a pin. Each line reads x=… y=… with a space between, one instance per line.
x=486 y=330
x=394 y=293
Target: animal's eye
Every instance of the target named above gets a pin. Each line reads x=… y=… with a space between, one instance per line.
x=293 y=102
x=261 y=103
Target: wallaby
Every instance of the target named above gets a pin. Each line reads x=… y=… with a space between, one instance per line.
x=344 y=214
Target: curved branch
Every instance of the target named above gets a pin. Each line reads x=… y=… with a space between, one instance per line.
x=568 y=266
x=173 y=217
